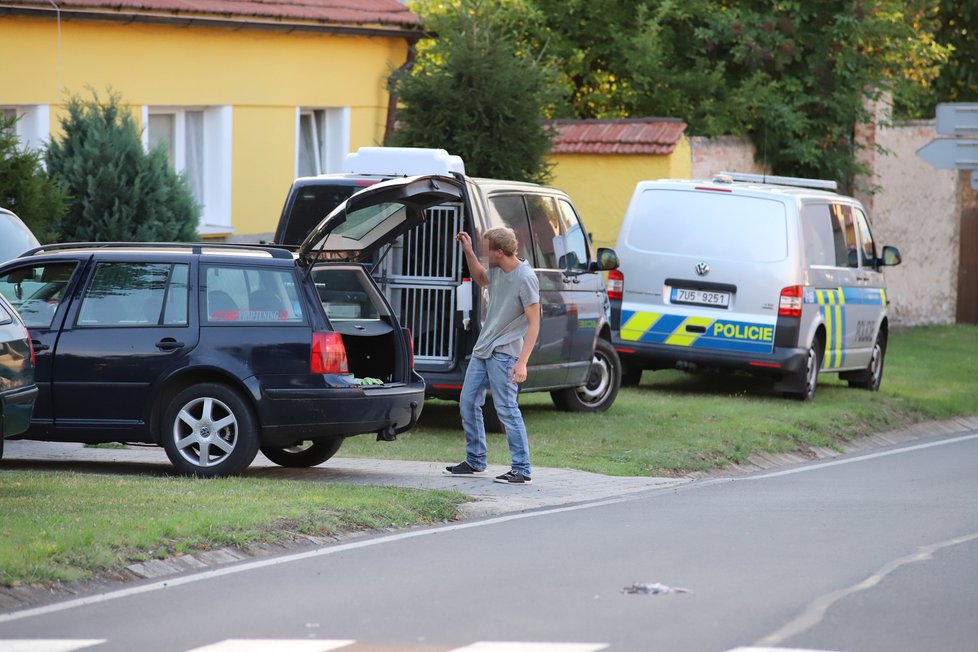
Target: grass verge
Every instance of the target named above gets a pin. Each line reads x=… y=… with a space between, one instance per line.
x=67 y=526
x=675 y=422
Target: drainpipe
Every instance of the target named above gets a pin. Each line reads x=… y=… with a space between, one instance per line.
x=392 y=92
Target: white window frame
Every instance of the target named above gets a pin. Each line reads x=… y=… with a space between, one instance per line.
x=34 y=127
x=331 y=131
x=215 y=217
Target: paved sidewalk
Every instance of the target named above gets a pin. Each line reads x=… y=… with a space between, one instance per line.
x=551 y=487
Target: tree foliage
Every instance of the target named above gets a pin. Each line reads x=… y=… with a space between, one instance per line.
x=117 y=192
x=477 y=92
x=955 y=23
x=793 y=75
x=24 y=185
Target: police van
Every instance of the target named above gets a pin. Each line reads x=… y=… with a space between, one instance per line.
x=779 y=276
x=424 y=275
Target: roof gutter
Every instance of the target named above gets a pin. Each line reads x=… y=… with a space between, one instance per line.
x=236 y=24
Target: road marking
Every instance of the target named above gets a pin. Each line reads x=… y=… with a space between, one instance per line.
x=401 y=536
x=816 y=611
x=774 y=649
x=861 y=458
x=48 y=645
x=531 y=647
x=279 y=645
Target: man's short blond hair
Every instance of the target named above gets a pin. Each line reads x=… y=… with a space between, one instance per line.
x=501 y=238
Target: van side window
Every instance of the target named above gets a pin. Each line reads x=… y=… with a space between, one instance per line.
x=545 y=226
x=510 y=211
x=846 y=245
x=818 y=231
x=574 y=252
x=868 y=249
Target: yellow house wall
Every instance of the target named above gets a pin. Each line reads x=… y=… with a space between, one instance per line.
x=601 y=185
x=262 y=75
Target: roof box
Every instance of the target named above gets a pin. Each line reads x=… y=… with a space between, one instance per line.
x=402 y=161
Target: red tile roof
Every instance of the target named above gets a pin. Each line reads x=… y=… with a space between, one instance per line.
x=620 y=136
x=343 y=12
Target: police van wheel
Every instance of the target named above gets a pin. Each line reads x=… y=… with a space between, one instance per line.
x=872 y=376
x=600 y=387
x=809 y=375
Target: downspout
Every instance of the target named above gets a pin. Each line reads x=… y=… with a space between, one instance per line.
x=392 y=89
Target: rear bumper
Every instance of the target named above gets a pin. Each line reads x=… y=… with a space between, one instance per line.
x=780 y=362
x=288 y=415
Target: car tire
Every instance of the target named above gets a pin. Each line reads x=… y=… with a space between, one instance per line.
x=872 y=376
x=809 y=375
x=209 y=431
x=303 y=454
x=601 y=387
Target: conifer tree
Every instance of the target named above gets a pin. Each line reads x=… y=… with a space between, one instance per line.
x=25 y=187
x=117 y=192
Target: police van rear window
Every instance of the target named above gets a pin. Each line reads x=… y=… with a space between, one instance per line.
x=711 y=225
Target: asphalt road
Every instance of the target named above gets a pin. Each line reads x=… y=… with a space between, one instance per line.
x=866 y=553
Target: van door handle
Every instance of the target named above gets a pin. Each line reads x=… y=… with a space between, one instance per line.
x=169 y=344
x=39 y=346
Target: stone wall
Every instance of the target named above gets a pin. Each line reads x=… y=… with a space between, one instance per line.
x=723 y=154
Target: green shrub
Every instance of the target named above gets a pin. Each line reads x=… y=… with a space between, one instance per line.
x=25 y=187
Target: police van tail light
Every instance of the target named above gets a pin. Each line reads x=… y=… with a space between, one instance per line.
x=410 y=340
x=328 y=354
x=616 y=285
x=790 y=305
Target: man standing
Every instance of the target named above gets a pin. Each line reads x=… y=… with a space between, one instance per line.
x=498 y=361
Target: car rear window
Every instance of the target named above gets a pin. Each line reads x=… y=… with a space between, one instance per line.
x=709 y=224
x=311 y=205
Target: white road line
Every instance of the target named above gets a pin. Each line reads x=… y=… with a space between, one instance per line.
x=47 y=645
x=860 y=458
x=774 y=649
x=366 y=543
x=531 y=647
x=279 y=645
x=815 y=612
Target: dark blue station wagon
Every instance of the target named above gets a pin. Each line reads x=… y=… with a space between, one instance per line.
x=216 y=351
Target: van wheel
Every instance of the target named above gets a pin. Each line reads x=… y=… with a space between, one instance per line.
x=209 y=431
x=599 y=389
x=303 y=454
x=872 y=376
x=809 y=375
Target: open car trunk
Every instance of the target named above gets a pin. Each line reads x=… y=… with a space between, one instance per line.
x=359 y=313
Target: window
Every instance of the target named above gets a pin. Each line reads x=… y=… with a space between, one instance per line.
x=868 y=246
x=240 y=295
x=509 y=210
x=34 y=126
x=710 y=225
x=545 y=226
x=844 y=235
x=345 y=294
x=135 y=294
x=573 y=253
x=322 y=140
x=818 y=232
x=37 y=291
x=197 y=142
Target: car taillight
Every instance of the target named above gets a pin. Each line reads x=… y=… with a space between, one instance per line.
x=790 y=304
x=410 y=339
x=328 y=354
x=616 y=284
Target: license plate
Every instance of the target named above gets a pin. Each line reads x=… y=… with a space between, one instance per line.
x=700 y=297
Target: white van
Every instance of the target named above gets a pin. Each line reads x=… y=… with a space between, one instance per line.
x=778 y=276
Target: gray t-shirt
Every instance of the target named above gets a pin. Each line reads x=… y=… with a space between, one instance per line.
x=509 y=295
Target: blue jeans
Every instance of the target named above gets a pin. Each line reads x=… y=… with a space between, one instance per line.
x=492 y=373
